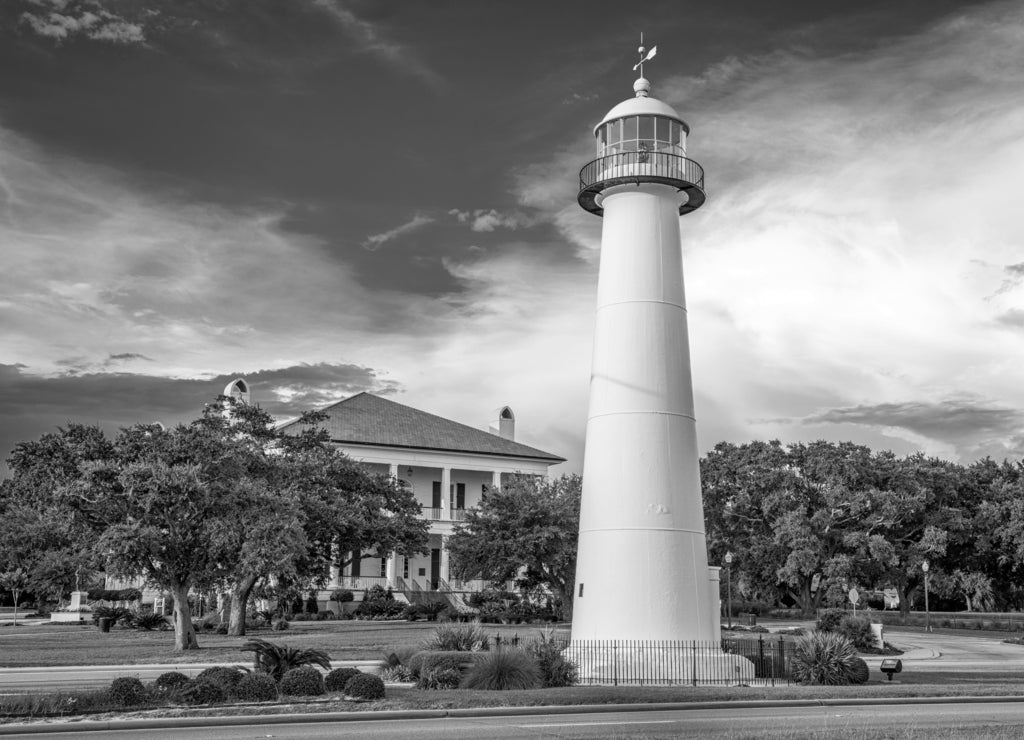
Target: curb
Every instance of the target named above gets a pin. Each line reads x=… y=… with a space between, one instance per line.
x=314 y=717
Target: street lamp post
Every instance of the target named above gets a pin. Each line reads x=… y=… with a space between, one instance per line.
x=927 y=613
x=728 y=586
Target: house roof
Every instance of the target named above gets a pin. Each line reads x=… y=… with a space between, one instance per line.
x=366 y=419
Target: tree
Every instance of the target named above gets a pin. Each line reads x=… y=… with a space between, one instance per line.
x=165 y=505
x=529 y=523
x=14 y=581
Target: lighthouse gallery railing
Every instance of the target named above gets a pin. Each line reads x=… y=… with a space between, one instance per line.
x=635 y=167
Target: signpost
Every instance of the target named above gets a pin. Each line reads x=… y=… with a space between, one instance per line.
x=854 y=599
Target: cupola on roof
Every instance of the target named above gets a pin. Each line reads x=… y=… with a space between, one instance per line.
x=642 y=105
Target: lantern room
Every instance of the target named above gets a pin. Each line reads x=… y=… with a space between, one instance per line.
x=641 y=140
x=641 y=124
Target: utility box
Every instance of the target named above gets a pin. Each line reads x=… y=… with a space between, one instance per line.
x=748 y=618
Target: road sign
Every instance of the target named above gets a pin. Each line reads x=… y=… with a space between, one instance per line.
x=854 y=597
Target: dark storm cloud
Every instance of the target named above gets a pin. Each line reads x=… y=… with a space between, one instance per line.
x=122 y=356
x=974 y=428
x=31 y=405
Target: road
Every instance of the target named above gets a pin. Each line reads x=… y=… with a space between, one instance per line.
x=761 y=722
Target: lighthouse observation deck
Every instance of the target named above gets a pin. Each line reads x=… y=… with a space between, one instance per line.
x=640 y=166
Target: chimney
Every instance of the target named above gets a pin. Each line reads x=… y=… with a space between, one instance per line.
x=506 y=426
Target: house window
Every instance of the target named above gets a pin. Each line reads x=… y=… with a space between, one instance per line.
x=457 y=496
x=405 y=567
x=357 y=563
x=383 y=567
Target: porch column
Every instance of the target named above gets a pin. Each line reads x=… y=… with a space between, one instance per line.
x=495 y=479
x=445 y=574
x=446 y=492
x=335 y=570
x=390 y=570
x=393 y=471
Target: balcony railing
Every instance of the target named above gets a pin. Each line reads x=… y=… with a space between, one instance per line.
x=435 y=514
x=633 y=168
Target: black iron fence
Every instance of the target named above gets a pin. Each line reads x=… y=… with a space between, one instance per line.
x=731 y=662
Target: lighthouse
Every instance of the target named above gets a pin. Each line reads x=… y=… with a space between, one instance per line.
x=642 y=570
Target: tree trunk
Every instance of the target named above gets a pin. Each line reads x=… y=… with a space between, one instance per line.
x=240 y=591
x=184 y=634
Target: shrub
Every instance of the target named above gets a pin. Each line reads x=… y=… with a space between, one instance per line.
x=365 y=686
x=114 y=613
x=256 y=687
x=829 y=620
x=468 y=636
x=280 y=625
x=401 y=655
x=858 y=671
x=822 y=658
x=441 y=678
x=323 y=616
x=201 y=692
x=555 y=670
x=396 y=673
x=341 y=595
x=221 y=629
x=150 y=621
x=336 y=679
x=504 y=670
x=304 y=681
x=170 y=681
x=277 y=659
x=857 y=630
x=128 y=692
x=311 y=606
x=427 y=661
x=227 y=677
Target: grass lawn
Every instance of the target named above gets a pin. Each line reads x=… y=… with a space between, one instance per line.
x=52 y=645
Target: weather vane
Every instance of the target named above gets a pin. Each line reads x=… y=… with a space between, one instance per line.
x=650 y=55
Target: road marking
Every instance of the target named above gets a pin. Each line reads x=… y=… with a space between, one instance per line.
x=596 y=724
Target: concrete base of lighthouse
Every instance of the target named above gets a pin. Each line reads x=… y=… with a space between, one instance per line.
x=664 y=664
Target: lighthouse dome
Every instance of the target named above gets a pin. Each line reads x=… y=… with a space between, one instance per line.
x=642 y=105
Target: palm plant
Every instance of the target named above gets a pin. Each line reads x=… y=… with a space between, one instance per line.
x=277 y=659
x=823 y=658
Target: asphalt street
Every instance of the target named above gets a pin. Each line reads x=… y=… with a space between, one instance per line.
x=760 y=722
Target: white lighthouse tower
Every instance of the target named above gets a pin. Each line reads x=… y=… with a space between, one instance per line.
x=642 y=570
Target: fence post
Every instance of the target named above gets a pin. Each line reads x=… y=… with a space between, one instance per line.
x=615 y=662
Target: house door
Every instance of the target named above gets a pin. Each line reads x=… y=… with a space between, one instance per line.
x=435 y=567
x=435 y=500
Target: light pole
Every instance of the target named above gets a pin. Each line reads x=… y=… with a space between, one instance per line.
x=728 y=586
x=927 y=614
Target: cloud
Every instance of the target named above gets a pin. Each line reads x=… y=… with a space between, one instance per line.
x=373 y=39
x=63 y=19
x=375 y=241
x=33 y=404
x=965 y=427
x=482 y=220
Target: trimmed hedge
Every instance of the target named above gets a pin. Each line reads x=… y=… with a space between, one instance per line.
x=170 y=681
x=201 y=692
x=256 y=687
x=128 y=692
x=426 y=661
x=336 y=679
x=365 y=686
x=227 y=677
x=304 y=681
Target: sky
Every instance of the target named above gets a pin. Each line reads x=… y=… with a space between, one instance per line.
x=333 y=196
